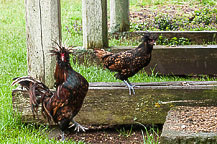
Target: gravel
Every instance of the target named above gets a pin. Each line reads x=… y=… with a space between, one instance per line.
x=193 y=119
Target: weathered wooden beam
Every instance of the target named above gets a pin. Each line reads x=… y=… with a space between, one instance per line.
x=192 y=60
x=180 y=60
x=110 y=103
x=43 y=27
x=196 y=37
x=94 y=21
x=119 y=16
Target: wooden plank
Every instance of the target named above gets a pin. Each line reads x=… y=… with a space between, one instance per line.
x=168 y=85
x=94 y=21
x=119 y=16
x=184 y=61
x=113 y=105
x=43 y=26
x=196 y=37
x=180 y=60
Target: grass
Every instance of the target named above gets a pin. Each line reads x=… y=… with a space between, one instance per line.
x=125 y=132
x=150 y=136
x=13 y=63
x=71 y=22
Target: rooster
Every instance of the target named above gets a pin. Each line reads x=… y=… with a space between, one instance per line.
x=128 y=63
x=62 y=105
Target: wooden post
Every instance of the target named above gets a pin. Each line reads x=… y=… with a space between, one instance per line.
x=43 y=27
x=94 y=18
x=119 y=16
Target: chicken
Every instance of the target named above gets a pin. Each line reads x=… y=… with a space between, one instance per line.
x=62 y=105
x=128 y=63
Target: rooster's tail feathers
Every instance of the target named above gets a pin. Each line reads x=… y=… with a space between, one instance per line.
x=36 y=89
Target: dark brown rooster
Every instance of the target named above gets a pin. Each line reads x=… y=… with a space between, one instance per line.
x=62 y=105
x=128 y=63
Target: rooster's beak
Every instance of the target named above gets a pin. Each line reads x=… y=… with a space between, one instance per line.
x=152 y=42
x=62 y=57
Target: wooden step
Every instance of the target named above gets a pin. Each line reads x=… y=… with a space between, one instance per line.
x=190 y=125
x=111 y=104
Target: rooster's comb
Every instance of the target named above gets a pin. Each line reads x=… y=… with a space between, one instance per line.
x=60 y=49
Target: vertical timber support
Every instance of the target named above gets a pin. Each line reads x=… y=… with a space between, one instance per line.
x=119 y=16
x=94 y=18
x=43 y=27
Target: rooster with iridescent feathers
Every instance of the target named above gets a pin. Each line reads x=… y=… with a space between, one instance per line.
x=62 y=105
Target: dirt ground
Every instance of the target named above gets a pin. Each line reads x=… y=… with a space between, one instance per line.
x=121 y=134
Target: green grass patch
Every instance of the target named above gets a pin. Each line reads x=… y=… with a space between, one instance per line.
x=71 y=12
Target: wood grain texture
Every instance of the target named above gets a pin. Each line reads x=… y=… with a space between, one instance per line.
x=119 y=16
x=184 y=61
x=43 y=26
x=94 y=21
x=110 y=103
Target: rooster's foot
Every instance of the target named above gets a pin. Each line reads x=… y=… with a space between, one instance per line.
x=78 y=127
x=63 y=137
x=130 y=87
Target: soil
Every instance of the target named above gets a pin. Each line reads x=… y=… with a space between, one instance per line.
x=181 y=15
x=111 y=134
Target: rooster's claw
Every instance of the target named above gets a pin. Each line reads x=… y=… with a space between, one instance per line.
x=78 y=127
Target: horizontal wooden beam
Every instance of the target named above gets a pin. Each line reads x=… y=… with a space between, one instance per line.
x=196 y=37
x=180 y=60
x=110 y=103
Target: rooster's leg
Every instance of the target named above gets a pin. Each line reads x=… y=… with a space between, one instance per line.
x=63 y=137
x=130 y=86
x=78 y=127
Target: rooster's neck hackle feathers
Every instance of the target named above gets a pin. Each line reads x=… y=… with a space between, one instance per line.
x=102 y=54
x=62 y=54
x=148 y=41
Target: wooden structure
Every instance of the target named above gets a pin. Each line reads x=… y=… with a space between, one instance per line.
x=94 y=18
x=43 y=29
x=110 y=103
x=119 y=16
